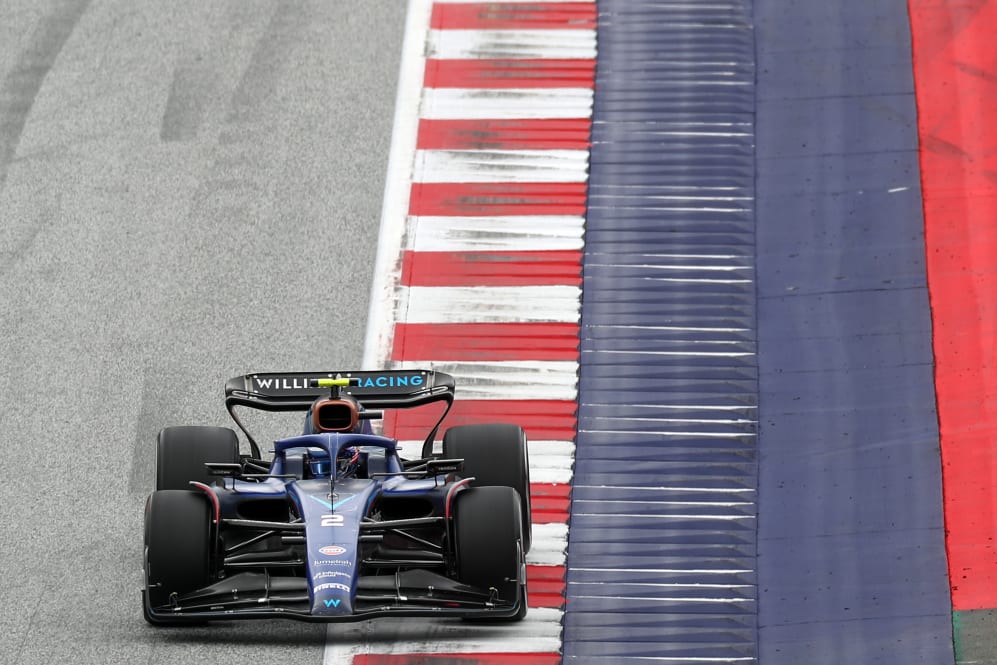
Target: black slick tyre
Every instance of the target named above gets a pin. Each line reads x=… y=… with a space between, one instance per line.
x=488 y=530
x=178 y=547
x=495 y=455
x=182 y=451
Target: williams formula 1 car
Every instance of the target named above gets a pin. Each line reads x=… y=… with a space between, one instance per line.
x=336 y=525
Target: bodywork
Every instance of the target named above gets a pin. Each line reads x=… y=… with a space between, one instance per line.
x=294 y=536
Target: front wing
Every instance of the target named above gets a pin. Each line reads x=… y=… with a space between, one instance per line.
x=409 y=593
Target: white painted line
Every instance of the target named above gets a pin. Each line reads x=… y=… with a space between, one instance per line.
x=684 y=266
x=509 y=2
x=684 y=354
x=695 y=407
x=662 y=432
x=501 y=166
x=710 y=504
x=543 y=452
x=717 y=421
x=477 y=104
x=513 y=233
x=540 y=632
x=723 y=518
x=535 y=380
x=486 y=304
x=394 y=209
x=677 y=328
x=697 y=571
x=669 y=585
x=531 y=44
x=644 y=488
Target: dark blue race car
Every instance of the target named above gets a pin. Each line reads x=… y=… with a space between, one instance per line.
x=337 y=526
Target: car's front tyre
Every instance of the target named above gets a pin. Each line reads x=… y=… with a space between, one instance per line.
x=488 y=526
x=178 y=547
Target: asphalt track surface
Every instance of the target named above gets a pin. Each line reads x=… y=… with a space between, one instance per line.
x=188 y=191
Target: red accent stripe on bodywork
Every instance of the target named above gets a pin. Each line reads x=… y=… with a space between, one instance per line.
x=544 y=134
x=510 y=73
x=492 y=268
x=458 y=659
x=549 y=502
x=513 y=16
x=954 y=53
x=485 y=341
x=498 y=198
x=542 y=419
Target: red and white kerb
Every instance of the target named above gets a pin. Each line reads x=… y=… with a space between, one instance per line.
x=479 y=273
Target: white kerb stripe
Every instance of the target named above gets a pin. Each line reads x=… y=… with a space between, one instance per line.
x=513 y=103
x=535 y=379
x=519 y=233
x=550 y=541
x=540 y=631
x=501 y=166
x=524 y=44
x=543 y=452
x=510 y=2
x=488 y=304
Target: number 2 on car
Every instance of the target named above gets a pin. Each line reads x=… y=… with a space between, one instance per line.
x=332 y=520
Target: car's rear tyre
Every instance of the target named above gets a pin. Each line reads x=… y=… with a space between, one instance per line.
x=495 y=454
x=182 y=451
x=178 y=547
x=488 y=529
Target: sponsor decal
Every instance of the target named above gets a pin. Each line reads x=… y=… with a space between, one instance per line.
x=332 y=550
x=332 y=602
x=301 y=383
x=345 y=563
x=282 y=383
x=332 y=585
x=331 y=573
x=404 y=381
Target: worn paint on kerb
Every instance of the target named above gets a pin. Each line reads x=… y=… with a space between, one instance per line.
x=528 y=232
x=495 y=190
x=485 y=303
x=525 y=44
x=501 y=166
x=511 y=380
x=461 y=103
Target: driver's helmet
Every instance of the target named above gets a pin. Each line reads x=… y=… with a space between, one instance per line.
x=347 y=462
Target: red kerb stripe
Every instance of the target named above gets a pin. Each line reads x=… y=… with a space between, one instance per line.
x=542 y=134
x=545 y=585
x=485 y=341
x=549 y=502
x=551 y=73
x=497 y=198
x=458 y=659
x=514 y=16
x=542 y=419
x=492 y=268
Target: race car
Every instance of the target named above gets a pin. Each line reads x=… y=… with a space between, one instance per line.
x=336 y=524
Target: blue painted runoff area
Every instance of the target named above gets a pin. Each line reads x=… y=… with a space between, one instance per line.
x=851 y=551
x=662 y=550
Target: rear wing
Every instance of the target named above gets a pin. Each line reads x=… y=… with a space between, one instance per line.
x=388 y=389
